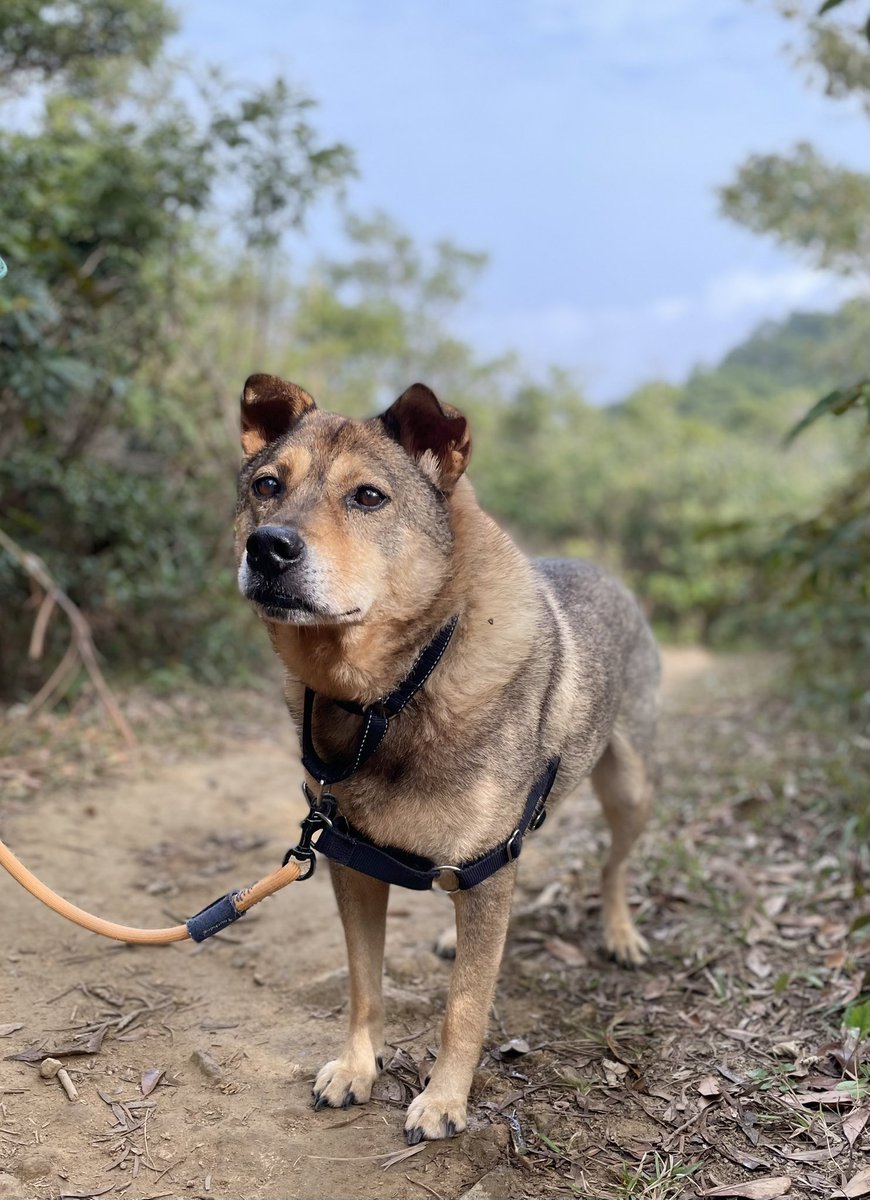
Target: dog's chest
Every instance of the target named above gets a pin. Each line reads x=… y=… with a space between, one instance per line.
x=442 y=789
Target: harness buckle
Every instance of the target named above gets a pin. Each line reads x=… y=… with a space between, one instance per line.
x=514 y=845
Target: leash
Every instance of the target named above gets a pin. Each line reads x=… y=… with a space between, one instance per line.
x=210 y=920
x=338 y=840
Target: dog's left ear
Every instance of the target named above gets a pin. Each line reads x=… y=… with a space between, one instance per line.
x=435 y=434
x=270 y=408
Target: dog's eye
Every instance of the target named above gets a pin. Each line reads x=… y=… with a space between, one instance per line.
x=369 y=497
x=266 y=486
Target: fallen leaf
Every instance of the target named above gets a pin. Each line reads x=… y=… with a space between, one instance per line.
x=150 y=1080
x=89 y=1045
x=566 y=952
x=709 y=1086
x=614 y=1072
x=513 y=1048
x=5 y=1030
x=858 y=1185
x=786 y=1050
x=87 y=1195
x=756 y=1189
x=401 y=1155
x=803 y=1156
x=854 y=1122
x=758 y=964
x=830 y=1097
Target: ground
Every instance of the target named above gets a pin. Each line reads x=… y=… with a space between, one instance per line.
x=722 y=1063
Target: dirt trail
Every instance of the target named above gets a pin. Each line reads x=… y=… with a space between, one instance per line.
x=265 y=1002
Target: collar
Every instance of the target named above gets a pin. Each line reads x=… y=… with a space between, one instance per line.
x=377 y=716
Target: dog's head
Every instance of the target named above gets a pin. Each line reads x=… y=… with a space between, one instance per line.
x=340 y=520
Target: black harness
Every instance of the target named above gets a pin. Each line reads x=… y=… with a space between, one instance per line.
x=344 y=844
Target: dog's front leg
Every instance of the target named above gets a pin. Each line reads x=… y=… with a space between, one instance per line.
x=482 y=915
x=362 y=904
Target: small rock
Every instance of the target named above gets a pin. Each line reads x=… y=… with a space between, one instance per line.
x=402 y=1000
x=326 y=991
x=495 y=1185
x=34 y=1165
x=208 y=1065
x=10 y=1188
x=498 y=1134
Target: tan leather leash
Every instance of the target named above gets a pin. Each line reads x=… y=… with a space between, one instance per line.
x=210 y=920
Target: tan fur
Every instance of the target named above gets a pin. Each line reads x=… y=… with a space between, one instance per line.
x=534 y=668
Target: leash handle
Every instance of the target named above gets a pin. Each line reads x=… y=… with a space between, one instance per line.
x=240 y=902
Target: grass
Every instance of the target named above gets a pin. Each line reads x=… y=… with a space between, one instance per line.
x=656 y=1177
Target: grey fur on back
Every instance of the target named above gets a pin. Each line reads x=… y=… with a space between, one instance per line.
x=606 y=670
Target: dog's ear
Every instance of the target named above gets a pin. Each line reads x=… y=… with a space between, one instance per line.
x=270 y=408
x=435 y=434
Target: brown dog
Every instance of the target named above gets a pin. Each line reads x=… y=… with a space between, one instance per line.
x=357 y=542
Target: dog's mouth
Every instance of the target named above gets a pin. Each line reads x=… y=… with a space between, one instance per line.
x=278 y=606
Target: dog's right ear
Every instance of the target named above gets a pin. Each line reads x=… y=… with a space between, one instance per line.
x=428 y=429
x=270 y=408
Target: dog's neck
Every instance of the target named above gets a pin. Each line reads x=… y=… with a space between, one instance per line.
x=359 y=663
x=365 y=662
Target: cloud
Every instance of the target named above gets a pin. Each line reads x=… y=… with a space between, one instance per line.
x=779 y=291
x=616 y=347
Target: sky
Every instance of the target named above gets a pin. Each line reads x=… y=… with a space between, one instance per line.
x=578 y=143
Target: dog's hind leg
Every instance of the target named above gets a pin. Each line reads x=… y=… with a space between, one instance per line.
x=362 y=904
x=621 y=782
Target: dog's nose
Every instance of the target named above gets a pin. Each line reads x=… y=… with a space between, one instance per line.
x=273 y=548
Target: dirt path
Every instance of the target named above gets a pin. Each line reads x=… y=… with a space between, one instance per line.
x=241 y=1024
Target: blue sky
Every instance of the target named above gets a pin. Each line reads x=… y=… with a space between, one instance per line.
x=577 y=142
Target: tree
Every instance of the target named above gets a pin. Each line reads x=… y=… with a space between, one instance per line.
x=817 y=570
x=104 y=204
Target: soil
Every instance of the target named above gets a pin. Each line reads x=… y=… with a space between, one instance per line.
x=598 y=1082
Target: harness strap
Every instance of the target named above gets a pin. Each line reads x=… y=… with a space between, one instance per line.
x=343 y=844
x=377 y=716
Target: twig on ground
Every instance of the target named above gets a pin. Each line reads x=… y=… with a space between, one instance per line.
x=81 y=647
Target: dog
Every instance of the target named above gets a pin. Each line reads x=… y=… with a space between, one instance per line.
x=357 y=542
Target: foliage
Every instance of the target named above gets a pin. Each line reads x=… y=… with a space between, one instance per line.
x=815 y=577
x=38 y=40
x=101 y=208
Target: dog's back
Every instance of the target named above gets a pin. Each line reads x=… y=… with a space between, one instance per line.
x=607 y=660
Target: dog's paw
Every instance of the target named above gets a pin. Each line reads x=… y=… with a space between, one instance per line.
x=624 y=944
x=445 y=943
x=432 y=1116
x=342 y=1083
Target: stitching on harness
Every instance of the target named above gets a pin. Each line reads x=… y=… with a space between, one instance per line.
x=362 y=741
x=432 y=667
